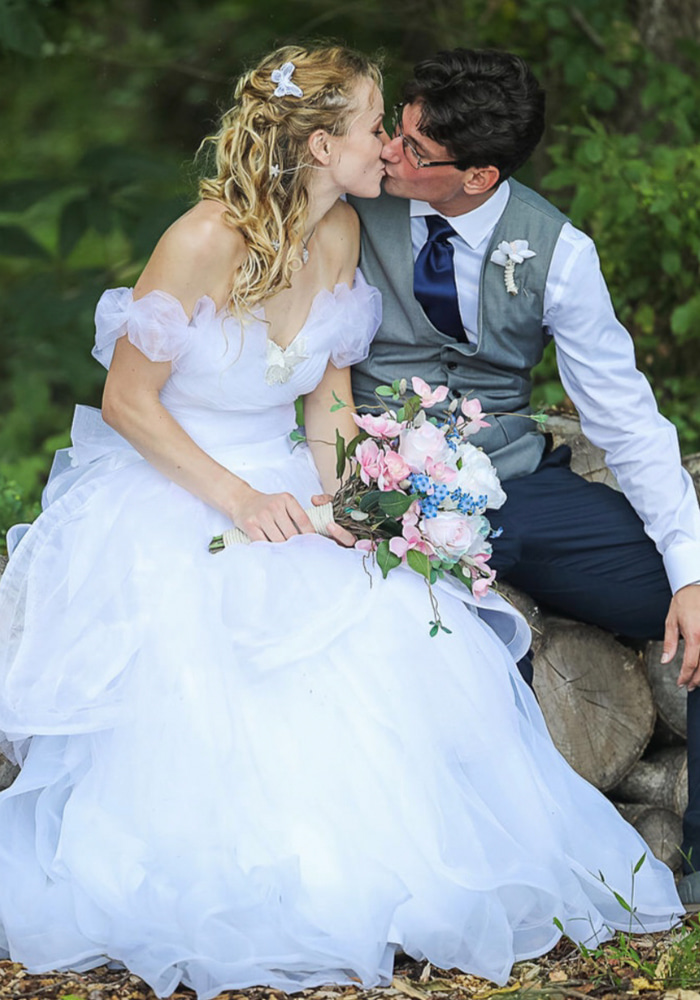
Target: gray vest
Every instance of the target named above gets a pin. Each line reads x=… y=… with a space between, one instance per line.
x=511 y=338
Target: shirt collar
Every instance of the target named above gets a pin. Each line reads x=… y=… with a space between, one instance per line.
x=475 y=226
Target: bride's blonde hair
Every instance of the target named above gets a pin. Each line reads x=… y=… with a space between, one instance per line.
x=263 y=160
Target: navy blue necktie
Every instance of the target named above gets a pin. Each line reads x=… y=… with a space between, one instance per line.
x=434 y=279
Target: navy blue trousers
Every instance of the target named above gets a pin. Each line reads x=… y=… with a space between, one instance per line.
x=580 y=549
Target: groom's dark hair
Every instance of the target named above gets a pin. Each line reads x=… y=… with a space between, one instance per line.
x=484 y=106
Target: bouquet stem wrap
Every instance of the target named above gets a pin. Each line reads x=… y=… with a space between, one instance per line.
x=320 y=517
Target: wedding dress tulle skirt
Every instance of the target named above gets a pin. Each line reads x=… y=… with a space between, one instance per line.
x=256 y=767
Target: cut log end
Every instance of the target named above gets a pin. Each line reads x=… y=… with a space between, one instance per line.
x=596 y=700
x=660 y=828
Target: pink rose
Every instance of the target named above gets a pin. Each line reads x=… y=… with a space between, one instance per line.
x=421 y=443
x=450 y=532
x=382 y=426
x=428 y=397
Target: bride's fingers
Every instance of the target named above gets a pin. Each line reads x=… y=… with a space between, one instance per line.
x=341 y=535
x=301 y=520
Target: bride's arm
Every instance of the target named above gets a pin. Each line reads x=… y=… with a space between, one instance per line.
x=321 y=423
x=187 y=264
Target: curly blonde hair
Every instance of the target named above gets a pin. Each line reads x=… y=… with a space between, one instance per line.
x=263 y=161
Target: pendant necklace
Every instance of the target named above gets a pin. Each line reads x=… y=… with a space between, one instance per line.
x=305 y=247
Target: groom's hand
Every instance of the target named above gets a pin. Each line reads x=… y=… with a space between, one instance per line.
x=683 y=619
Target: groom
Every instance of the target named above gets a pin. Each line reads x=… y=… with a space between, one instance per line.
x=477 y=273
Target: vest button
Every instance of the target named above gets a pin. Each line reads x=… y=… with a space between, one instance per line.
x=451 y=366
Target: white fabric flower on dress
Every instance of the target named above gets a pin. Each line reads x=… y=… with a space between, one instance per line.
x=281 y=361
x=283 y=78
x=507 y=255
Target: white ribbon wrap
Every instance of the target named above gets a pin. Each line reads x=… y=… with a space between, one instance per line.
x=320 y=517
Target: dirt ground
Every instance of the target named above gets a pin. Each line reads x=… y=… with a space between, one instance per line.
x=653 y=967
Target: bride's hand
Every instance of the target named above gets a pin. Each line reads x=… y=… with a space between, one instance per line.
x=340 y=535
x=270 y=517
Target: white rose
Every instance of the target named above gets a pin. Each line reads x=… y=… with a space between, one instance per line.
x=478 y=476
x=450 y=533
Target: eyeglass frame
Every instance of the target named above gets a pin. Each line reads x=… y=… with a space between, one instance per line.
x=421 y=164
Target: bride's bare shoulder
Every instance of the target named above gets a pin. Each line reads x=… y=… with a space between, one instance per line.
x=196 y=256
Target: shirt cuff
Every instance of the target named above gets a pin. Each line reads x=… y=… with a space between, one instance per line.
x=682 y=564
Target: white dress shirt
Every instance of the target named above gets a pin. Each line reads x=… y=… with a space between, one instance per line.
x=597 y=367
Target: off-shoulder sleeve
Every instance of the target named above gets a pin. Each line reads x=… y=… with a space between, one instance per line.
x=360 y=314
x=157 y=324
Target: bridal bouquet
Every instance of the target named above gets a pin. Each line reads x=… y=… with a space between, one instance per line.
x=414 y=490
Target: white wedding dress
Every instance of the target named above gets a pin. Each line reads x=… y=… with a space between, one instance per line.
x=256 y=767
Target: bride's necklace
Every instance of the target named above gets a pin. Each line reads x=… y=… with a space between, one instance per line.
x=305 y=247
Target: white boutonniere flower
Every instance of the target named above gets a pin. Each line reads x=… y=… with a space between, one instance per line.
x=507 y=256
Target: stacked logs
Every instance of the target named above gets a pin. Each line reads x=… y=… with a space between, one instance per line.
x=613 y=711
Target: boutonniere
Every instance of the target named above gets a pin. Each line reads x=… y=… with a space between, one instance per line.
x=508 y=255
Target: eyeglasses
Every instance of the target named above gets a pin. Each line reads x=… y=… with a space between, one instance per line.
x=410 y=151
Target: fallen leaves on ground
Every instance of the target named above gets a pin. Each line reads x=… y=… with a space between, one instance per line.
x=611 y=973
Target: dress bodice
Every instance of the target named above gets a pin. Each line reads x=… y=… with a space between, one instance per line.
x=222 y=369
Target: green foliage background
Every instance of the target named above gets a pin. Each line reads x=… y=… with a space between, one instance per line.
x=103 y=106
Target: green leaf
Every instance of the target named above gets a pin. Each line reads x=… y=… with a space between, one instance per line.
x=394 y=504
x=16 y=242
x=412 y=407
x=558 y=924
x=370 y=501
x=297 y=435
x=686 y=317
x=338 y=405
x=339 y=454
x=639 y=863
x=434 y=631
x=384 y=390
x=419 y=562
x=72 y=226
x=299 y=410
x=19 y=29
x=16 y=196
x=465 y=578
x=386 y=560
x=351 y=448
x=622 y=901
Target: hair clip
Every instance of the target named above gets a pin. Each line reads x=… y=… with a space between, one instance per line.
x=275 y=170
x=283 y=78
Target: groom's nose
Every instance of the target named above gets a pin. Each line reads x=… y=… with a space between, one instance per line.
x=392 y=152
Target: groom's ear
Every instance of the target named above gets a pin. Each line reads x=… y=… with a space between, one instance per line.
x=480 y=180
x=320 y=146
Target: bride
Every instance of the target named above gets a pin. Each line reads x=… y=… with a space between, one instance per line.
x=255 y=768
